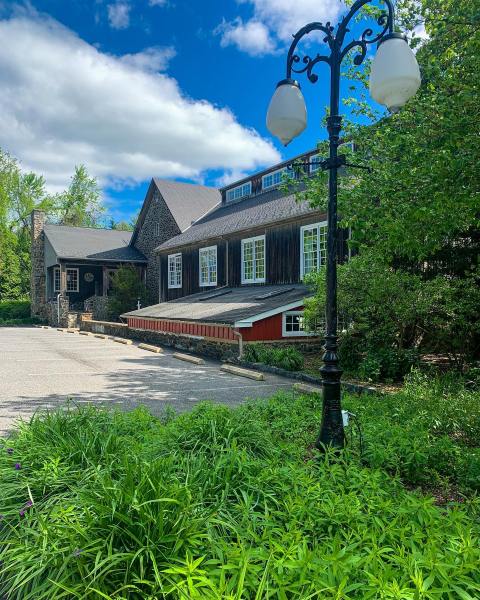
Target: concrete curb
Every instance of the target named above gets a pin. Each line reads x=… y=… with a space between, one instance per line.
x=84 y=333
x=150 y=348
x=355 y=388
x=101 y=336
x=243 y=372
x=304 y=388
x=187 y=358
x=122 y=341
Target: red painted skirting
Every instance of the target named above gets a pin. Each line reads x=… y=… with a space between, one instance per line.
x=222 y=332
x=269 y=329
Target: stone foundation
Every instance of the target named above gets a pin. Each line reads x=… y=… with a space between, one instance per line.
x=208 y=347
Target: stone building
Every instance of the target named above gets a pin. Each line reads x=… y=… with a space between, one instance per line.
x=72 y=267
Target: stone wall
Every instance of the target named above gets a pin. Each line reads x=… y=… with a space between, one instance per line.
x=52 y=312
x=220 y=350
x=150 y=237
x=37 y=276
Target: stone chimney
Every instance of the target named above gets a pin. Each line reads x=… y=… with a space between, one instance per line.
x=38 y=279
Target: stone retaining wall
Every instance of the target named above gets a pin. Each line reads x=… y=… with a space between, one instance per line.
x=196 y=345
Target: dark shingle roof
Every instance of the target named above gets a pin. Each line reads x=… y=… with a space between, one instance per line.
x=265 y=208
x=225 y=305
x=85 y=243
x=187 y=201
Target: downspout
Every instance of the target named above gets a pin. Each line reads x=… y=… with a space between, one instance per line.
x=58 y=309
x=237 y=333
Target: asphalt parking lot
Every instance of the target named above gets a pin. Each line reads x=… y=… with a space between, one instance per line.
x=45 y=368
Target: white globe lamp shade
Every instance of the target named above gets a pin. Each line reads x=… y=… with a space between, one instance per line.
x=287 y=114
x=395 y=75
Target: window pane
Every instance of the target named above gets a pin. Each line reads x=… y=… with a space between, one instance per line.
x=323 y=244
x=260 y=259
x=310 y=250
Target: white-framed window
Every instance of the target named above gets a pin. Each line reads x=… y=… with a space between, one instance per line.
x=274 y=178
x=56 y=279
x=239 y=192
x=175 y=270
x=72 y=280
x=156 y=229
x=207 y=266
x=293 y=324
x=253 y=260
x=313 y=247
x=315 y=163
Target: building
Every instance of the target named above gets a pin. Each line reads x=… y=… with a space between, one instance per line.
x=238 y=272
x=225 y=267
x=72 y=266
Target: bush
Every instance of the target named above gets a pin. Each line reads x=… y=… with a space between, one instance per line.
x=127 y=289
x=16 y=312
x=14 y=309
x=221 y=504
x=288 y=358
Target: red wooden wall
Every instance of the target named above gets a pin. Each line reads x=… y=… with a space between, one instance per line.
x=266 y=329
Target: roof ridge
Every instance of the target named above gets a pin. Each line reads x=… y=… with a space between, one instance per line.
x=85 y=227
x=173 y=181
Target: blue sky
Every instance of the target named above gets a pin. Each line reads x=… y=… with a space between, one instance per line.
x=142 y=88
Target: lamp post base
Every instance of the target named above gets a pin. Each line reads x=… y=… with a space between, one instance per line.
x=331 y=431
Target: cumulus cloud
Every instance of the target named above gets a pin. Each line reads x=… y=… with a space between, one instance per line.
x=113 y=114
x=151 y=59
x=119 y=15
x=252 y=37
x=274 y=22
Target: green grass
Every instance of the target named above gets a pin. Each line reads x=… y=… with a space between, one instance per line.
x=226 y=504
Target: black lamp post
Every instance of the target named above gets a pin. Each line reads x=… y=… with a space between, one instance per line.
x=395 y=77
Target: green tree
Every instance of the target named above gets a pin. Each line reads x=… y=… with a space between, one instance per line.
x=127 y=289
x=80 y=204
x=20 y=193
x=415 y=217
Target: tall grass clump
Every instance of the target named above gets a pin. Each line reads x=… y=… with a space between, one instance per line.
x=222 y=504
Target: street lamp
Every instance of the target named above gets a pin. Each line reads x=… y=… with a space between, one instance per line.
x=394 y=78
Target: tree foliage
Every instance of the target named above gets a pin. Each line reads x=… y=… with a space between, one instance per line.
x=20 y=193
x=415 y=216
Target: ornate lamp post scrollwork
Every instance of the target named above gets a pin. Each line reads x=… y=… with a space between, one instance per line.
x=394 y=78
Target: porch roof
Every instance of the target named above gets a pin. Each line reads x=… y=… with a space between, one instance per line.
x=238 y=306
x=91 y=244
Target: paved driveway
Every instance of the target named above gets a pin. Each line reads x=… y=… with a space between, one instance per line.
x=42 y=368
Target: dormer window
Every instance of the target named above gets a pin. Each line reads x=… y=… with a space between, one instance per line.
x=275 y=177
x=239 y=192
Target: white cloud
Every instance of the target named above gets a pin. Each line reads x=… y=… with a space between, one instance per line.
x=151 y=59
x=252 y=37
x=157 y=2
x=275 y=21
x=113 y=114
x=119 y=15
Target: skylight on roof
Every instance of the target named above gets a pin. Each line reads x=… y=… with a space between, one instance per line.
x=273 y=294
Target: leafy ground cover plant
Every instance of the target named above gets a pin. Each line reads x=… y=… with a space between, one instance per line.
x=223 y=504
x=288 y=358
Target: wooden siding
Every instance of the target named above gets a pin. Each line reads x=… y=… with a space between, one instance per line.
x=282 y=254
x=269 y=329
x=207 y=330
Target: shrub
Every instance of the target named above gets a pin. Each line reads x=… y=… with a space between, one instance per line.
x=127 y=289
x=14 y=309
x=288 y=358
x=221 y=504
x=16 y=312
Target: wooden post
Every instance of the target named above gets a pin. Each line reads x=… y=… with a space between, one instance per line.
x=105 y=280
x=63 y=279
